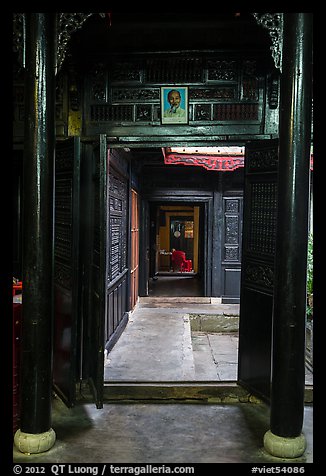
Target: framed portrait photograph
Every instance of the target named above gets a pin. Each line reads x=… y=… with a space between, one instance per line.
x=174 y=104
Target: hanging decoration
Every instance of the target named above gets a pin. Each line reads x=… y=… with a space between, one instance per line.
x=222 y=159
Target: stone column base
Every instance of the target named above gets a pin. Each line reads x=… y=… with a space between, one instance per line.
x=284 y=447
x=34 y=443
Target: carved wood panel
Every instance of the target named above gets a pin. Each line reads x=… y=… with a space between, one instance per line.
x=220 y=89
x=231 y=247
x=117 y=242
x=118 y=201
x=63 y=236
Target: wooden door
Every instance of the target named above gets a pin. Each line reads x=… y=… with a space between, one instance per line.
x=117 y=248
x=134 y=259
x=257 y=275
x=144 y=248
x=97 y=271
x=66 y=272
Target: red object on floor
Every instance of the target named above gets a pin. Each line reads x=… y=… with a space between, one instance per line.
x=17 y=317
x=17 y=288
x=179 y=261
x=188 y=265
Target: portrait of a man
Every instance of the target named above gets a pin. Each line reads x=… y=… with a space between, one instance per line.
x=174 y=105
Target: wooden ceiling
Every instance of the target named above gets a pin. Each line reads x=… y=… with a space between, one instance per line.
x=169 y=31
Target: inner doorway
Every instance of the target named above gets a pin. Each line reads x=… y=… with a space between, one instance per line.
x=176 y=228
x=182 y=236
x=176 y=250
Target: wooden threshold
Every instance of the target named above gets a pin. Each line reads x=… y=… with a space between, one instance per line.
x=175 y=392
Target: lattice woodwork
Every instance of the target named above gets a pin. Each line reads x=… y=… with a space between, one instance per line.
x=117 y=240
x=63 y=217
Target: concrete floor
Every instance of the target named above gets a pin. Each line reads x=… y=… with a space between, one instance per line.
x=158 y=344
x=162 y=343
x=163 y=433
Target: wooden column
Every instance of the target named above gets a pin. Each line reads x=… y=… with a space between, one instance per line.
x=288 y=353
x=38 y=173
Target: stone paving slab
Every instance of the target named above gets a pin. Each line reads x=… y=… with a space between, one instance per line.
x=155 y=346
x=158 y=344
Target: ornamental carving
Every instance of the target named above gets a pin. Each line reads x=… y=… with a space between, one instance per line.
x=143 y=113
x=202 y=94
x=98 y=79
x=126 y=71
x=231 y=206
x=260 y=275
x=262 y=160
x=273 y=22
x=68 y=23
x=222 y=70
x=231 y=253
x=203 y=112
x=135 y=94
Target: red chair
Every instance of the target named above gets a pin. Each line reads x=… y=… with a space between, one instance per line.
x=179 y=261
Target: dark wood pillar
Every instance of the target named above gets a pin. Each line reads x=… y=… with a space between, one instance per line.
x=38 y=180
x=288 y=353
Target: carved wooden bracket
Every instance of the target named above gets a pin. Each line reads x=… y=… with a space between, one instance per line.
x=68 y=23
x=273 y=22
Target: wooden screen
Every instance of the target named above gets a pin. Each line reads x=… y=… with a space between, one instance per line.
x=257 y=275
x=66 y=275
x=117 y=234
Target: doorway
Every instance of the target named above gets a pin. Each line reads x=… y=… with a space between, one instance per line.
x=179 y=227
x=175 y=229
x=168 y=336
x=182 y=235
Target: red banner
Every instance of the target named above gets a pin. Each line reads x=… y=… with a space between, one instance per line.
x=221 y=164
